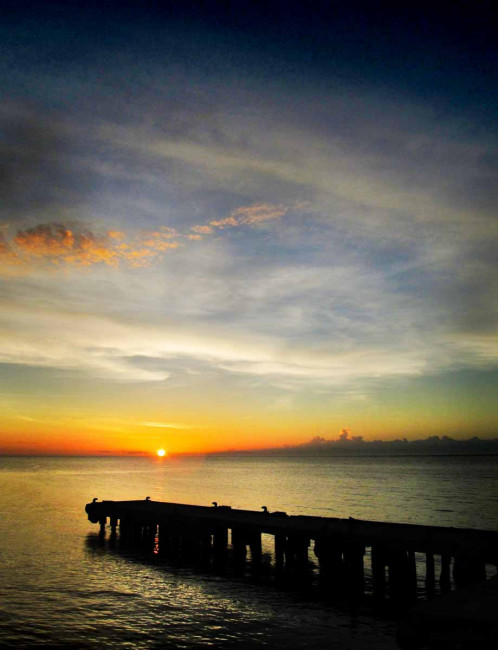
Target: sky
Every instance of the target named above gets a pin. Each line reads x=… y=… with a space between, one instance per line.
x=238 y=225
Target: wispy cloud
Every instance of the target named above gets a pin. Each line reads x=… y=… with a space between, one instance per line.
x=257 y=213
x=243 y=216
x=372 y=165
x=73 y=244
x=166 y=425
x=202 y=230
x=105 y=347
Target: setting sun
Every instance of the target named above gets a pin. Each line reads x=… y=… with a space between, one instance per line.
x=161 y=452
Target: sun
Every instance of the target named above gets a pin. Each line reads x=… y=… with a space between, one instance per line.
x=161 y=452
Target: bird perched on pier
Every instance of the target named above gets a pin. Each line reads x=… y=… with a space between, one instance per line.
x=215 y=504
x=264 y=509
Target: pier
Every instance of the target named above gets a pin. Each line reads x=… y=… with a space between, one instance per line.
x=398 y=557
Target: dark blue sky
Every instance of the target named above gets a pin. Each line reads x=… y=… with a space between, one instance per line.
x=432 y=49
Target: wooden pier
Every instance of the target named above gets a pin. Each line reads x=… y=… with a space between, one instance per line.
x=220 y=536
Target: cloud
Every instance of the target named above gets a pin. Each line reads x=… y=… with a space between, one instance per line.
x=74 y=245
x=161 y=240
x=119 y=350
x=250 y=215
x=318 y=326
x=258 y=213
x=167 y=425
x=59 y=243
x=357 y=445
x=202 y=230
x=244 y=216
x=344 y=434
x=224 y=223
x=373 y=164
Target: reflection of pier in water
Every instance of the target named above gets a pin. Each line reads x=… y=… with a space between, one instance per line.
x=345 y=550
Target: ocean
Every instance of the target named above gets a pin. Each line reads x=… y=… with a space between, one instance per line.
x=61 y=586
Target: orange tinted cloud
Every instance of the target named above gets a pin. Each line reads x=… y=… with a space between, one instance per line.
x=224 y=223
x=9 y=261
x=72 y=245
x=59 y=244
x=258 y=212
x=46 y=240
x=161 y=240
x=203 y=230
x=244 y=216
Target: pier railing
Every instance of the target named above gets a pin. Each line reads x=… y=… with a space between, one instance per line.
x=341 y=548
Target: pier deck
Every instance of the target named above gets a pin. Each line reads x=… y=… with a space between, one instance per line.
x=435 y=539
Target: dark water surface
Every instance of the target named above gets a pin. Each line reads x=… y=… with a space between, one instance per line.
x=60 y=587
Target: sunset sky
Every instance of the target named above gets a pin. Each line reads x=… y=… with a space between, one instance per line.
x=246 y=226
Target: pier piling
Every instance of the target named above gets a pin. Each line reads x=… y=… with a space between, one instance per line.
x=430 y=579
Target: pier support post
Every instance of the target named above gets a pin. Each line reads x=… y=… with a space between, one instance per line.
x=220 y=543
x=189 y=550
x=134 y=531
x=163 y=538
x=333 y=571
x=102 y=522
x=239 y=551
x=173 y=543
x=256 y=552
x=114 y=523
x=150 y=532
x=430 y=579
x=296 y=559
x=444 y=578
x=402 y=576
x=321 y=551
x=280 y=544
x=355 y=578
x=412 y=575
x=379 y=571
x=122 y=529
x=205 y=548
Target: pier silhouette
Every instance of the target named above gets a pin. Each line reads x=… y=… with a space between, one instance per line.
x=432 y=577
x=231 y=539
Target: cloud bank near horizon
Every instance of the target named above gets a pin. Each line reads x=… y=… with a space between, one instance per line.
x=356 y=445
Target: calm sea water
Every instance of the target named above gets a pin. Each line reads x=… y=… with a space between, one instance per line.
x=60 y=587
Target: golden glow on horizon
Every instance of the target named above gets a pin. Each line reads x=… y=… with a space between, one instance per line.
x=46 y=429
x=161 y=452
